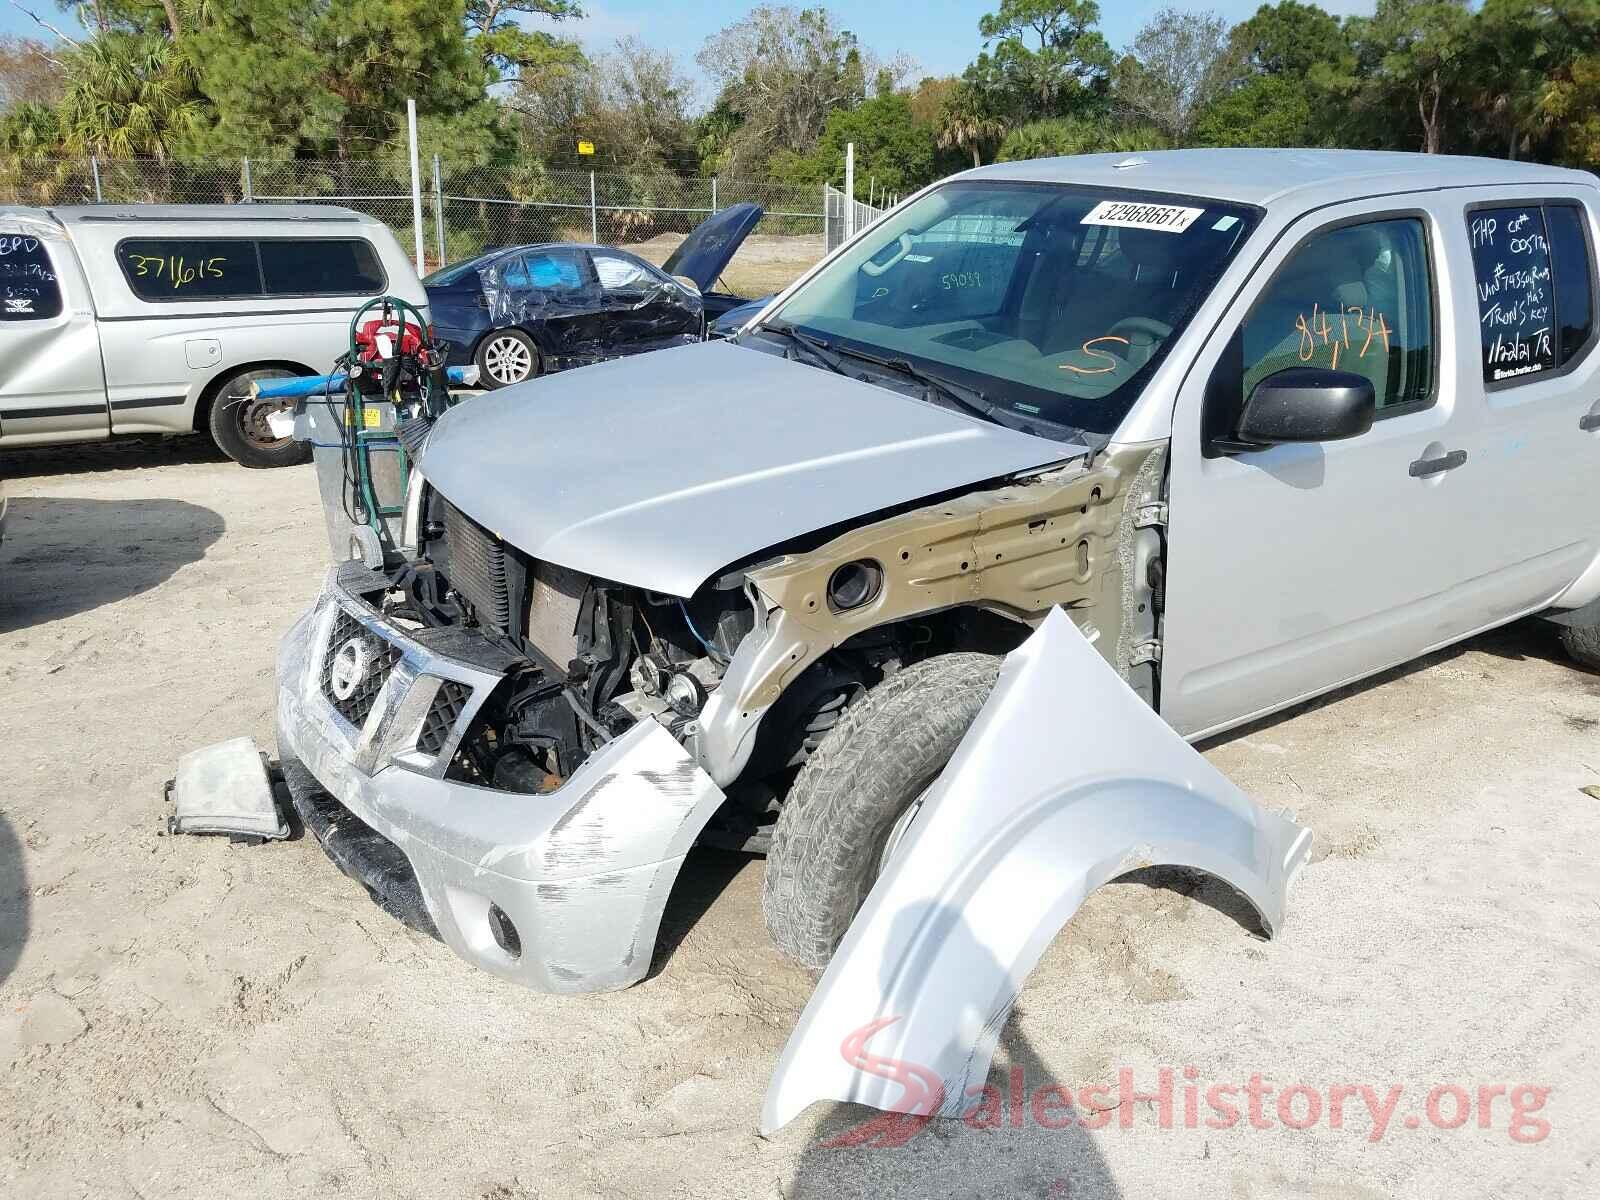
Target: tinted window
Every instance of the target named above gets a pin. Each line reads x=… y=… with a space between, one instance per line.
x=237 y=268
x=189 y=268
x=323 y=267
x=1574 y=284
x=1353 y=299
x=28 y=288
x=1516 y=309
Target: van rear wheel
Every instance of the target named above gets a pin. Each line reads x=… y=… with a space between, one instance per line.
x=855 y=798
x=239 y=422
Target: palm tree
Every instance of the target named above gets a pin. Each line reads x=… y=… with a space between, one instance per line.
x=31 y=163
x=129 y=95
x=966 y=122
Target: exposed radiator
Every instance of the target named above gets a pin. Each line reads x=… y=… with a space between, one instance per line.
x=477 y=569
x=553 y=611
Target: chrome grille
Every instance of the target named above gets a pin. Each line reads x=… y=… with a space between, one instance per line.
x=380 y=657
x=477 y=569
x=447 y=707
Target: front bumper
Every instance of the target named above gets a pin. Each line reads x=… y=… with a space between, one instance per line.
x=581 y=874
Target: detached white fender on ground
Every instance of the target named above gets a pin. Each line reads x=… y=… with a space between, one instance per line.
x=1066 y=780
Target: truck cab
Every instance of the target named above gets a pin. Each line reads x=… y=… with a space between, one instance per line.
x=156 y=319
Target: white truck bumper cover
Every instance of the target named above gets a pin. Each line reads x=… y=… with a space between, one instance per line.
x=561 y=892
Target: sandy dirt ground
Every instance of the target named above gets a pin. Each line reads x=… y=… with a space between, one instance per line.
x=181 y=1017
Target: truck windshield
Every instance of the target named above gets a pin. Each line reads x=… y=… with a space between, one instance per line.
x=1052 y=301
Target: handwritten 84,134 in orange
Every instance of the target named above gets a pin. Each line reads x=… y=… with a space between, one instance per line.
x=1368 y=323
x=176 y=269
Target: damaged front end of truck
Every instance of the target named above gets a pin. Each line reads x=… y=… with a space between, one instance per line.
x=699 y=597
x=515 y=734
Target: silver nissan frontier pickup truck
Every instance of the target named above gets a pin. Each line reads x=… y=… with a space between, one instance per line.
x=923 y=581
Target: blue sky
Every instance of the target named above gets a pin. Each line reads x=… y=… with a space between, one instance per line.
x=942 y=35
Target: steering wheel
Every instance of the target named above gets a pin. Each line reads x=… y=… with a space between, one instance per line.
x=875 y=269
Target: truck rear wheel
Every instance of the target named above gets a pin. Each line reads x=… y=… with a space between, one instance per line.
x=1583 y=643
x=855 y=796
x=239 y=422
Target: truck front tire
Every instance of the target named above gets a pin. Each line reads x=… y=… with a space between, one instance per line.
x=1583 y=643
x=829 y=842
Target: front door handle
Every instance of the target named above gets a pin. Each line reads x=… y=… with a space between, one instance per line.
x=1424 y=467
x=1590 y=423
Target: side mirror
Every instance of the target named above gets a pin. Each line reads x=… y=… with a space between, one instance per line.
x=1306 y=404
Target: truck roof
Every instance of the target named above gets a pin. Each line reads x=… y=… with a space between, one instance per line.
x=1295 y=178
x=254 y=214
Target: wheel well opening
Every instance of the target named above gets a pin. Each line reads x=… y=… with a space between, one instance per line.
x=538 y=350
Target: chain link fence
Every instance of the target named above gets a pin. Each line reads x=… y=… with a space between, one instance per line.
x=466 y=210
x=841 y=219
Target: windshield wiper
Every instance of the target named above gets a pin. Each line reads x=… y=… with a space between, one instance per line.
x=817 y=350
x=970 y=399
x=965 y=398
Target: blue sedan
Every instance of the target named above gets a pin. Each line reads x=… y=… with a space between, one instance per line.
x=529 y=310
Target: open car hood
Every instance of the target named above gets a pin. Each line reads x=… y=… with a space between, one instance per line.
x=706 y=252
x=660 y=470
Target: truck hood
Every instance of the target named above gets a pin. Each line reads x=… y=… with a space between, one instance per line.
x=662 y=469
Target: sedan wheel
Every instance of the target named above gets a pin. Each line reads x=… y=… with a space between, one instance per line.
x=505 y=357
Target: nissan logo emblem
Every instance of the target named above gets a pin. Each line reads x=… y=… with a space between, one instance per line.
x=350 y=666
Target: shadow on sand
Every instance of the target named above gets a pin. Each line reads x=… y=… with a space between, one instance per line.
x=67 y=556
x=13 y=899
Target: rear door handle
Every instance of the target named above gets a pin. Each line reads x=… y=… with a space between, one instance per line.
x=1590 y=423
x=1424 y=467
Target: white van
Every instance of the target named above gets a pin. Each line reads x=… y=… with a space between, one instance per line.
x=156 y=318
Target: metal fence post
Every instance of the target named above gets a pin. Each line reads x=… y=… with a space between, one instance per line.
x=713 y=193
x=438 y=206
x=825 y=243
x=594 y=213
x=849 y=190
x=416 y=184
x=94 y=169
x=249 y=185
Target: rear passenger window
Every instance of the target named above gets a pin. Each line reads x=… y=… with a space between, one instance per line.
x=1535 y=288
x=1358 y=298
x=326 y=267
x=190 y=268
x=28 y=287
x=1574 y=283
x=163 y=269
x=553 y=269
